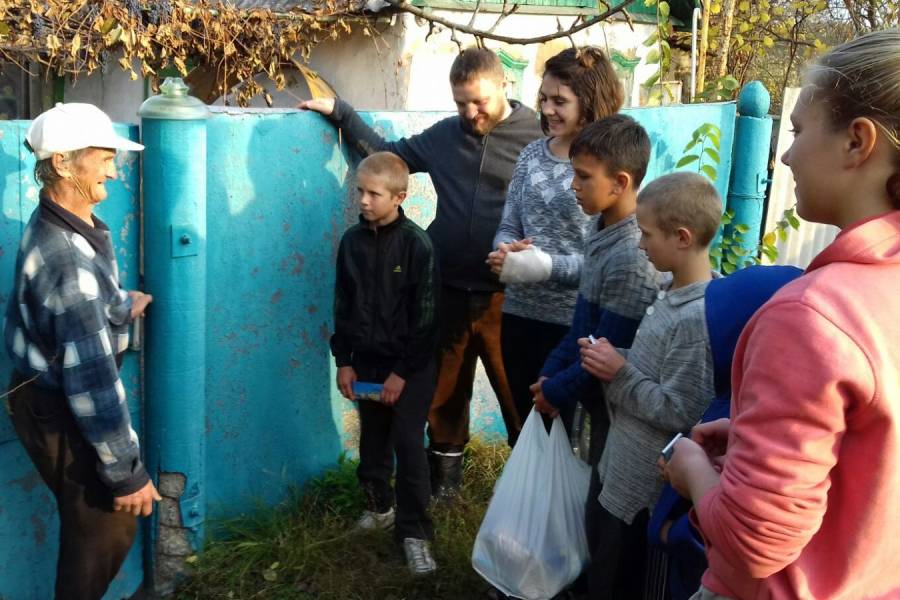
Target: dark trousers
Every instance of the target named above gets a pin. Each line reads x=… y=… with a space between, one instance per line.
x=93 y=539
x=389 y=431
x=469 y=330
x=618 y=551
x=525 y=345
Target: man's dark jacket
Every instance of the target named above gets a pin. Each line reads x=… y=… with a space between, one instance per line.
x=385 y=297
x=470 y=173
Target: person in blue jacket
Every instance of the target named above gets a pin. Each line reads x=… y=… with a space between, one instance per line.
x=730 y=302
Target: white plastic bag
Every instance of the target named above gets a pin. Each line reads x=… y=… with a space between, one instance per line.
x=532 y=542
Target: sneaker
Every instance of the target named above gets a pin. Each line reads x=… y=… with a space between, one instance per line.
x=371 y=520
x=418 y=556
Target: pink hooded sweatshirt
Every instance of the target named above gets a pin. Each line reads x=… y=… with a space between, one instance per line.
x=808 y=505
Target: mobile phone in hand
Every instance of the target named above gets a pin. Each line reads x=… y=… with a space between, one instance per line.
x=670 y=448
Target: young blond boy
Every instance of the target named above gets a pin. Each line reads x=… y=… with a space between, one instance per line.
x=663 y=383
x=385 y=330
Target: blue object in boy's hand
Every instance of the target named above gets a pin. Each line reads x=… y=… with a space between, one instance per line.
x=367 y=391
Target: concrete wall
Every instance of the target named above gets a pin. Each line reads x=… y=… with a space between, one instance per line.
x=29 y=527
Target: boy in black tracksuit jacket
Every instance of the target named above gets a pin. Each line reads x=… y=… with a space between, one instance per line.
x=385 y=332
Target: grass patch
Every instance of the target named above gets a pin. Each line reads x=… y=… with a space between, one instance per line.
x=307 y=548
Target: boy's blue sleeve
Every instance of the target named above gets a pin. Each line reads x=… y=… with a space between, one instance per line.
x=684 y=540
x=573 y=382
x=566 y=350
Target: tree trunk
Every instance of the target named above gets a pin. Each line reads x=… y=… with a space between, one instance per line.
x=704 y=47
x=725 y=43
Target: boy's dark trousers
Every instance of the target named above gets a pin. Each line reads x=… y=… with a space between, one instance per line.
x=386 y=431
x=618 y=551
x=93 y=539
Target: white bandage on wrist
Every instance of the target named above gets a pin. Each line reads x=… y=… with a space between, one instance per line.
x=526 y=266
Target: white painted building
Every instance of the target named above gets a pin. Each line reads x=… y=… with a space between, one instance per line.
x=403 y=68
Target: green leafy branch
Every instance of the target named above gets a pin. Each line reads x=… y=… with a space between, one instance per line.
x=787 y=222
x=723 y=88
x=729 y=255
x=703 y=149
x=705 y=143
x=660 y=55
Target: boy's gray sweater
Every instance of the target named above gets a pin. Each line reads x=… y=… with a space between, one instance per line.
x=663 y=389
x=541 y=206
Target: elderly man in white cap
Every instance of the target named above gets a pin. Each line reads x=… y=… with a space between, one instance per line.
x=66 y=329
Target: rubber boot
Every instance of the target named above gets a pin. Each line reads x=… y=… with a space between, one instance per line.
x=446 y=473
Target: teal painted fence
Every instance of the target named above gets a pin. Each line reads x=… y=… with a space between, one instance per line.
x=277 y=200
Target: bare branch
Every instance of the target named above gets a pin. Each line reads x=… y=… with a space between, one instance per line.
x=504 y=12
x=628 y=20
x=455 y=39
x=475 y=13
x=405 y=6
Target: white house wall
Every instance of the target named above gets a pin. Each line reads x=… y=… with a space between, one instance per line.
x=396 y=69
x=430 y=60
x=113 y=91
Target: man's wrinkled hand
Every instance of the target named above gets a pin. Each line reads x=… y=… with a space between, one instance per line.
x=140 y=503
x=139 y=303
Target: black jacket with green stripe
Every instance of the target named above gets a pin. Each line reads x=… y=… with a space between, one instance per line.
x=385 y=297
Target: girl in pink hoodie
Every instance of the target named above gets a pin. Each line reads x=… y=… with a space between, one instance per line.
x=798 y=497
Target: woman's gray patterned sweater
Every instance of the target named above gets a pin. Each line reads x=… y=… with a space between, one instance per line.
x=540 y=205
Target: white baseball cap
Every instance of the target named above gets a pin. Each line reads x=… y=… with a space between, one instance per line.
x=74 y=126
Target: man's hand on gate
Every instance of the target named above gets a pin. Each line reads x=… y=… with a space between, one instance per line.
x=323 y=106
x=139 y=303
x=140 y=503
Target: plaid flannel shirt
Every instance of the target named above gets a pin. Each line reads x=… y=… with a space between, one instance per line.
x=66 y=322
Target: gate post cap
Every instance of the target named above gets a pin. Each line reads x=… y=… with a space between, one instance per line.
x=174 y=103
x=754 y=100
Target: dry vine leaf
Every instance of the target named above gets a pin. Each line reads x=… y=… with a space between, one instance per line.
x=71 y=37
